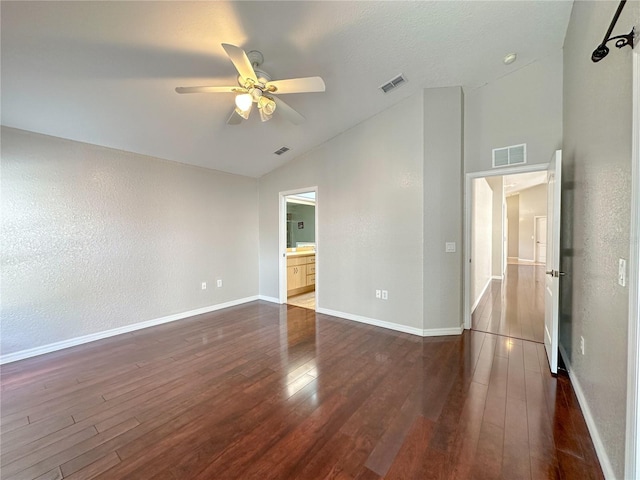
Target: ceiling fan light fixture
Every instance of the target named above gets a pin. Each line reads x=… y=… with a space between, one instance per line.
x=263 y=115
x=267 y=105
x=256 y=94
x=244 y=101
x=244 y=113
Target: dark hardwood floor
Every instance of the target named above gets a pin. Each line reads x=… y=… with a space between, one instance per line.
x=262 y=391
x=513 y=307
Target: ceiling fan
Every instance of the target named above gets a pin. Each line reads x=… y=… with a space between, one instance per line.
x=255 y=86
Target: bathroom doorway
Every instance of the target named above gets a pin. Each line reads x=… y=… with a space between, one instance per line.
x=299 y=247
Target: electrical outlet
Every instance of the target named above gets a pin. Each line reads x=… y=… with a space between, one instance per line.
x=378 y=293
x=450 y=247
x=219 y=283
x=582 y=345
x=204 y=285
x=622 y=272
x=385 y=295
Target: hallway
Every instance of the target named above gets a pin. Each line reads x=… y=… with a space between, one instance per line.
x=514 y=307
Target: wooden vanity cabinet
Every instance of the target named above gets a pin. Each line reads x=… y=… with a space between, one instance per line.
x=301 y=274
x=296 y=277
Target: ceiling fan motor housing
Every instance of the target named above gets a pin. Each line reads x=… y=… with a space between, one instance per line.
x=255 y=57
x=263 y=78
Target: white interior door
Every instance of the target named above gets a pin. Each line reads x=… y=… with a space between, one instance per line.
x=541 y=239
x=552 y=277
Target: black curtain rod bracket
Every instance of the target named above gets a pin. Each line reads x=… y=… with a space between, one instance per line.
x=621 y=40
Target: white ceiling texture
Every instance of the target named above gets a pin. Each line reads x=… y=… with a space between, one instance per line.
x=105 y=72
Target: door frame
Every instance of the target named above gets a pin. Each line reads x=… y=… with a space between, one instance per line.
x=469 y=177
x=505 y=235
x=282 y=241
x=535 y=236
x=632 y=445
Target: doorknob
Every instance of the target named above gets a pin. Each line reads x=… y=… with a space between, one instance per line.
x=555 y=273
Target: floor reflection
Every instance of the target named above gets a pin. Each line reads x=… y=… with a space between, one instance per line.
x=301 y=349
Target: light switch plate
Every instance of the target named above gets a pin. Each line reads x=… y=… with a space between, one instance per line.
x=622 y=272
x=450 y=247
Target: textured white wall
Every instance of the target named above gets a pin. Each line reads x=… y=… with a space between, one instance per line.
x=533 y=203
x=442 y=273
x=513 y=234
x=522 y=107
x=95 y=238
x=369 y=230
x=596 y=215
x=496 y=184
x=481 y=238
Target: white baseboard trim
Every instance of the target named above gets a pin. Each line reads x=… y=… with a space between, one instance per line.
x=607 y=469
x=72 y=342
x=528 y=260
x=269 y=299
x=497 y=277
x=477 y=301
x=430 y=332
x=441 y=332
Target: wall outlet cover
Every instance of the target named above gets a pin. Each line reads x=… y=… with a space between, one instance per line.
x=450 y=247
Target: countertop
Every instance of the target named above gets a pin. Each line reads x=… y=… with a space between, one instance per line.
x=302 y=253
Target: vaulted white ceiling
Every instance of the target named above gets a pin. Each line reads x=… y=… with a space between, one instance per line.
x=105 y=72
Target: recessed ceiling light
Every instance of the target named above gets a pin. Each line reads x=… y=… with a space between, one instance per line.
x=510 y=58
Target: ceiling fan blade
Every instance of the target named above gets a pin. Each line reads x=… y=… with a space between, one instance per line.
x=240 y=61
x=287 y=112
x=207 y=89
x=297 y=85
x=234 y=118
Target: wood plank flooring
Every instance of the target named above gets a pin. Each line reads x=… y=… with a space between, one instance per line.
x=263 y=391
x=514 y=307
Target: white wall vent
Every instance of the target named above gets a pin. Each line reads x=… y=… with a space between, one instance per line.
x=391 y=84
x=513 y=155
x=282 y=150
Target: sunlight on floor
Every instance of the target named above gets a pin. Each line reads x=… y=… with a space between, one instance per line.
x=305 y=300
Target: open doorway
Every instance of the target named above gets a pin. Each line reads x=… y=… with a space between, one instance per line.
x=300 y=248
x=508 y=251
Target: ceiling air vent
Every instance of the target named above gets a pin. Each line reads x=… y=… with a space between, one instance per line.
x=513 y=155
x=282 y=150
x=396 y=82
